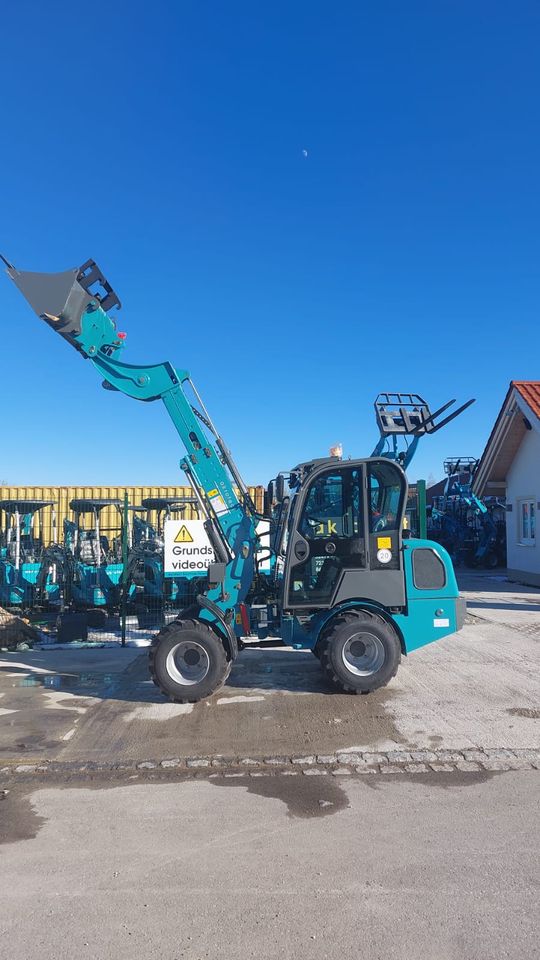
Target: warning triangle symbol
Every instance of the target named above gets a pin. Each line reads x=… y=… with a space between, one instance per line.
x=183 y=535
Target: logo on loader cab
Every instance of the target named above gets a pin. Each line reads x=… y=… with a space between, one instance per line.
x=183 y=535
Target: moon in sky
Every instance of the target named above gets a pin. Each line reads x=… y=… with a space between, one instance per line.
x=304 y=153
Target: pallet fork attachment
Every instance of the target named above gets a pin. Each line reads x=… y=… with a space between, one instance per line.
x=406 y=417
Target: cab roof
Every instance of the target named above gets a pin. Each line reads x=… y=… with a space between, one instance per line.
x=163 y=503
x=90 y=505
x=25 y=506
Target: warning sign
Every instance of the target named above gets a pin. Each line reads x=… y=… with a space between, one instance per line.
x=183 y=535
x=187 y=549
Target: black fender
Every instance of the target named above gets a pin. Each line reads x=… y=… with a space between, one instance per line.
x=225 y=629
x=368 y=607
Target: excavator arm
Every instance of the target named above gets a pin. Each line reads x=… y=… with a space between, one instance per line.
x=75 y=304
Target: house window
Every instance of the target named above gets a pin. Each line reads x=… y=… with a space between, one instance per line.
x=527 y=522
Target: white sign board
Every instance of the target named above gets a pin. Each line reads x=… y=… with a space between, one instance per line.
x=263 y=555
x=188 y=550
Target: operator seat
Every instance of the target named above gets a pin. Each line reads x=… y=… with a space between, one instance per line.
x=327 y=578
x=91 y=552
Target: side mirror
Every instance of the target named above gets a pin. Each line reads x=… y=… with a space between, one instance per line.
x=280 y=488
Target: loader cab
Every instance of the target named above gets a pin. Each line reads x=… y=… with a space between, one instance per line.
x=344 y=534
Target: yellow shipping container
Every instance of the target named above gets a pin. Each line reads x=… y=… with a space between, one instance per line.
x=110 y=518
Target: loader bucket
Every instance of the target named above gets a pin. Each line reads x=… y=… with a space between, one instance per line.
x=62 y=299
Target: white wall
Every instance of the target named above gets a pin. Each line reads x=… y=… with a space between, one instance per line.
x=523 y=481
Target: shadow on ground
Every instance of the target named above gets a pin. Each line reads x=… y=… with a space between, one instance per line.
x=273 y=670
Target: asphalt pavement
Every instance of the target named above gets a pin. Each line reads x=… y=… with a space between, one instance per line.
x=430 y=868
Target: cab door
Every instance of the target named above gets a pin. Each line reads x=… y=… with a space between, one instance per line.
x=385 y=496
x=328 y=536
x=346 y=537
x=383 y=580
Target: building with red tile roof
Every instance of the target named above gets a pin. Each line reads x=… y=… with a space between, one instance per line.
x=510 y=467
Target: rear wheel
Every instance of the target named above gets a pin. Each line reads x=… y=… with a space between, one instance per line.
x=359 y=652
x=188 y=661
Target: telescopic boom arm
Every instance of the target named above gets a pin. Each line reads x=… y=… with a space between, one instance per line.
x=75 y=304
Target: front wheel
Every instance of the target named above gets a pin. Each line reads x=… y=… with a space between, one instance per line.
x=359 y=652
x=188 y=661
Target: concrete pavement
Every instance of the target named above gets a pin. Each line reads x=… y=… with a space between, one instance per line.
x=297 y=867
x=477 y=689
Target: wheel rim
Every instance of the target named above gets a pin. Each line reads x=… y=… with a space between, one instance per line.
x=363 y=654
x=187 y=663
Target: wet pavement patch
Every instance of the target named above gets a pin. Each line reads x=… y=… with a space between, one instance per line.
x=266 y=708
x=34 y=743
x=448 y=781
x=18 y=819
x=87 y=684
x=304 y=797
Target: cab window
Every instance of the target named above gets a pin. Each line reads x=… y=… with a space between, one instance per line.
x=331 y=523
x=385 y=494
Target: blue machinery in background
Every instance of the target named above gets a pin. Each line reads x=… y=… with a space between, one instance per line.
x=93 y=563
x=473 y=531
x=86 y=570
x=29 y=572
x=146 y=559
x=344 y=583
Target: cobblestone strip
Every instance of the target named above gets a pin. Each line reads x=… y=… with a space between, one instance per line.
x=341 y=763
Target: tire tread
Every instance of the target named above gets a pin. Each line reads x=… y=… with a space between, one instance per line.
x=168 y=630
x=351 y=616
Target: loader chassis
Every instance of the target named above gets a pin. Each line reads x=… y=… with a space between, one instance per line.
x=343 y=583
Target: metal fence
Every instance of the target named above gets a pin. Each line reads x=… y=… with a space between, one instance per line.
x=49 y=521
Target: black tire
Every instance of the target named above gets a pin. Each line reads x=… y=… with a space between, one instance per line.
x=96 y=617
x=188 y=662
x=377 y=653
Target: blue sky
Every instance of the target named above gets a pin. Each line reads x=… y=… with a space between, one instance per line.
x=166 y=141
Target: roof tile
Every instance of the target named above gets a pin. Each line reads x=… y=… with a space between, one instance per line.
x=530 y=391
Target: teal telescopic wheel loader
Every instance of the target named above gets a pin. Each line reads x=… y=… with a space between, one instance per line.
x=345 y=582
